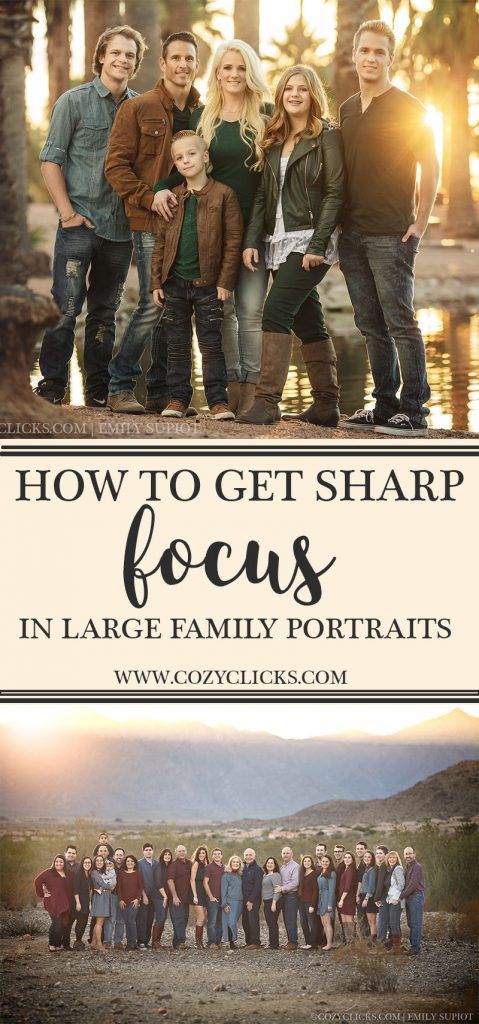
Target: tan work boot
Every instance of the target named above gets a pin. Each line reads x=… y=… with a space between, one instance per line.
x=234 y=392
x=275 y=360
x=320 y=361
x=247 y=394
x=125 y=402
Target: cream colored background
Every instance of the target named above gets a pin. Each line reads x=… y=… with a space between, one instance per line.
x=394 y=560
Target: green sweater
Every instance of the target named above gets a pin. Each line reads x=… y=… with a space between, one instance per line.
x=228 y=154
x=187 y=262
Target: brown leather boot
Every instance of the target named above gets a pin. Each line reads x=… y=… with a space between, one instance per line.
x=199 y=936
x=320 y=360
x=275 y=360
x=246 y=399
x=156 y=936
x=234 y=394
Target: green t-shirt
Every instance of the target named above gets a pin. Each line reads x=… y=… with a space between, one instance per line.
x=187 y=263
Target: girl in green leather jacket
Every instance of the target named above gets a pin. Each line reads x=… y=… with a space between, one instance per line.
x=296 y=209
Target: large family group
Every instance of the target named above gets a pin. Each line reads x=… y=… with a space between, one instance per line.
x=236 y=210
x=341 y=895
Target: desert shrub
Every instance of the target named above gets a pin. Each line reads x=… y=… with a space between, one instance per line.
x=371 y=974
x=22 y=922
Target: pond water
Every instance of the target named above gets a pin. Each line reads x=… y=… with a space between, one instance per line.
x=452 y=347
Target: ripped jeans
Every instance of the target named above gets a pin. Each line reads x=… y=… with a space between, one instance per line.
x=182 y=299
x=77 y=251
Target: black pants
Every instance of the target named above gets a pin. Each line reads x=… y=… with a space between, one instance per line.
x=80 y=925
x=57 y=931
x=308 y=924
x=68 y=928
x=272 y=918
x=250 y=922
x=293 y=302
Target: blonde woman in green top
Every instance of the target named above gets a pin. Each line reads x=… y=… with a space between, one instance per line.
x=232 y=123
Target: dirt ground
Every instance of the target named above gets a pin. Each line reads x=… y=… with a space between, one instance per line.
x=234 y=987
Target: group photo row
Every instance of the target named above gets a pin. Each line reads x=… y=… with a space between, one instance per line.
x=336 y=898
x=236 y=205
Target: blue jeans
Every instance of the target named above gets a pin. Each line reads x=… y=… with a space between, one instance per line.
x=414 y=912
x=230 y=921
x=242 y=334
x=143 y=324
x=213 y=922
x=77 y=251
x=379 y=272
x=182 y=299
x=129 y=916
x=290 y=916
x=394 y=918
x=115 y=924
x=179 y=919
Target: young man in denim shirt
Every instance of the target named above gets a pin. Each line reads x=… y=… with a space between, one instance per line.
x=138 y=155
x=385 y=138
x=93 y=234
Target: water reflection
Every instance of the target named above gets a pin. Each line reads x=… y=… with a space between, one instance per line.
x=452 y=348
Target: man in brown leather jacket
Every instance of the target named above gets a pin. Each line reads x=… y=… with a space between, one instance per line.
x=138 y=156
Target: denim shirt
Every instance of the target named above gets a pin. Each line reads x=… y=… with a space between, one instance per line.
x=80 y=127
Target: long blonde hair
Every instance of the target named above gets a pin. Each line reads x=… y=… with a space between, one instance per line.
x=252 y=121
x=279 y=127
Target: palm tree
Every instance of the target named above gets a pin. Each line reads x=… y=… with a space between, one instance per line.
x=299 y=47
x=246 y=22
x=57 y=13
x=449 y=34
x=144 y=15
x=349 y=18
x=22 y=313
x=99 y=15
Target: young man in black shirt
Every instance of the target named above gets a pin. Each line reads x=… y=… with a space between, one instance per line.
x=385 y=138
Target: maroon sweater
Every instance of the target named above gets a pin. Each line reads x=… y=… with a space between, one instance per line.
x=60 y=889
x=129 y=886
x=308 y=889
x=179 y=872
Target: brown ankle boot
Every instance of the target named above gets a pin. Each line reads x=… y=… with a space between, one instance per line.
x=320 y=360
x=199 y=936
x=275 y=360
x=234 y=395
x=246 y=399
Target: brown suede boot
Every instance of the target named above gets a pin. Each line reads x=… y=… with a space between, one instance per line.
x=155 y=938
x=320 y=360
x=199 y=936
x=234 y=394
x=275 y=360
x=246 y=399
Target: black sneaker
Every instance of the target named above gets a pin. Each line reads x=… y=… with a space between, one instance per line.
x=401 y=425
x=96 y=401
x=363 y=419
x=52 y=391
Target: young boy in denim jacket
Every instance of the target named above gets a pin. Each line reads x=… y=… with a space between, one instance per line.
x=194 y=267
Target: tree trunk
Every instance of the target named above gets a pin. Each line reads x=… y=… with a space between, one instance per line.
x=461 y=215
x=144 y=16
x=246 y=22
x=349 y=18
x=58 y=48
x=178 y=17
x=22 y=313
x=99 y=15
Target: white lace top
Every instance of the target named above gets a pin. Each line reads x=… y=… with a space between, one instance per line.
x=281 y=243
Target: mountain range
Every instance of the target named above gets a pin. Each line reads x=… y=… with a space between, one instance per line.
x=190 y=772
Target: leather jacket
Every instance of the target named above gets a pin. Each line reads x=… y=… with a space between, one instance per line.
x=312 y=195
x=220 y=230
x=139 y=152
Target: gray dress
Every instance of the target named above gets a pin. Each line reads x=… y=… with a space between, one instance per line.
x=101 y=904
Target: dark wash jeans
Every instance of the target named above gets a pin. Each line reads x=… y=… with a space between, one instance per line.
x=144 y=924
x=272 y=920
x=182 y=299
x=290 y=916
x=179 y=919
x=414 y=913
x=250 y=922
x=308 y=924
x=77 y=252
x=379 y=272
x=214 y=925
